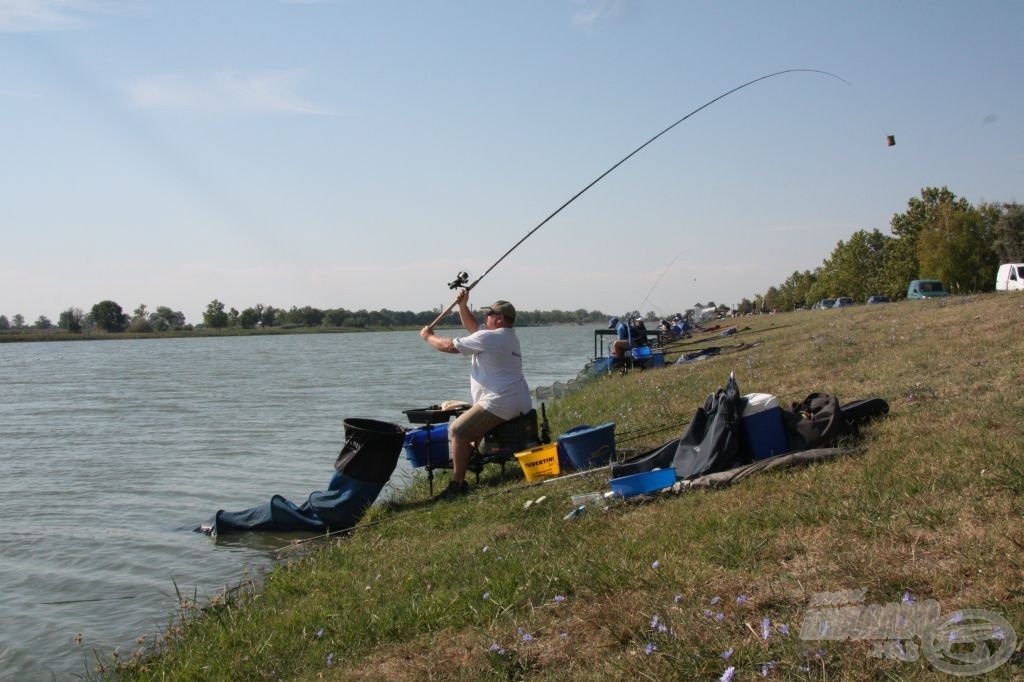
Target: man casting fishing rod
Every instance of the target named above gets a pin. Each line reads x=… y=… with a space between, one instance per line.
x=499 y=389
x=496 y=381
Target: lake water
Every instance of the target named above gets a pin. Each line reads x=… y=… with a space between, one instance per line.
x=111 y=452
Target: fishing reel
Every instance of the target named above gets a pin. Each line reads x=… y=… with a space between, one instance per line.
x=460 y=281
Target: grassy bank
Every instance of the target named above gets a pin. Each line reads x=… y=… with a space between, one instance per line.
x=679 y=586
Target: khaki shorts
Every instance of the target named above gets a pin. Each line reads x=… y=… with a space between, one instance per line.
x=474 y=423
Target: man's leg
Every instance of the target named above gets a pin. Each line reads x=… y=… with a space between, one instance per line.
x=470 y=427
x=462 y=450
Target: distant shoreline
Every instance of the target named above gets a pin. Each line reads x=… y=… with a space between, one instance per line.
x=44 y=335
x=29 y=335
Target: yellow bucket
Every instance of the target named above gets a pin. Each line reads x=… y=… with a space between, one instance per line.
x=539 y=462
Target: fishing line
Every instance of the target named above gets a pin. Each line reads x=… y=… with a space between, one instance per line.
x=460 y=280
x=654 y=286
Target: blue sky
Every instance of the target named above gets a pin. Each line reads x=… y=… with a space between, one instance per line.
x=360 y=154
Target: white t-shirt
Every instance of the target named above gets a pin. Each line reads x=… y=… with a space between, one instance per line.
x=496 y=382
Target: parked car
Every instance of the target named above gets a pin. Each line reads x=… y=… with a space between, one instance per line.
x=842 y=302
x=824 y=303
x=879 y=299
x=1010 y=277
x=926 y=288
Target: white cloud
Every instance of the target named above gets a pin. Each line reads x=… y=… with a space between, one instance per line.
x=593 y=12
x=22 y=16
x=224 y=92
x=16 y=93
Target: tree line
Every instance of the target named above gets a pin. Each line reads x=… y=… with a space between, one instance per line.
x=939 y=236
x=109 y=316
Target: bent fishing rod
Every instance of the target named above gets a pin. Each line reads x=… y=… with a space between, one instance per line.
x=461 y=279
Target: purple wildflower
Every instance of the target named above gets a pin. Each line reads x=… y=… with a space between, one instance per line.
x=767 y=668
x=650 y=648
x=742 y=599
x=766 y=628
x=719 y=616
x=527 y=637
x=487 y=595
x=908 y=598
x=654 y=621
x=330 y=659
x=715 y=600
x=953 y=636
x=999 y=634
x=784 y=629
x=656 y=565
x=494 y=647
x=679 y=599
x=728 y=674
x=563 y=635
x=559 y=598
x=957 y=618
x=727 y=654
x=708 y=614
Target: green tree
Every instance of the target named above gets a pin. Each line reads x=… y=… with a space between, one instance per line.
x=772 y=299
x=164 y=318
x=4 y=322
x=956 y=248
x=107 y=315
x=215 y=317
x=856 y=265
x=248 y=318
x=921 y=212
x=140 y=325
x=71 y=320
x=43 y=323
x=1006 y=223
x=18 y=321
x=795 y=291
x=268 y=315
x=899 y=266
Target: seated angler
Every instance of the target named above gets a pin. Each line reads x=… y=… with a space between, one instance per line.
x=497 y=384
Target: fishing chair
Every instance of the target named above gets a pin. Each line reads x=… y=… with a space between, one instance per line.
x=634 y=358
x=640 y=357
x=500 y=444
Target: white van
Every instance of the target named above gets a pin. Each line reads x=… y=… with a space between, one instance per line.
x=1010 y=277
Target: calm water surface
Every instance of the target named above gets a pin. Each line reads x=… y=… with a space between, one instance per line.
x=111 y=452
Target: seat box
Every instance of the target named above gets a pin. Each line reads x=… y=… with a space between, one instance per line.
x=764 y=433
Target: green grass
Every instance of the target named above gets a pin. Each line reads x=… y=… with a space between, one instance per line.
x=484 y=588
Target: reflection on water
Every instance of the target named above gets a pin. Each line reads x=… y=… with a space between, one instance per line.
x=112 y=452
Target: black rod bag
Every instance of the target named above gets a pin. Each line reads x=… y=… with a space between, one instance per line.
x=710 y=443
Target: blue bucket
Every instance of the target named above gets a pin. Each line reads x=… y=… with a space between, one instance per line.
x=589 y=446
x=415 y=446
